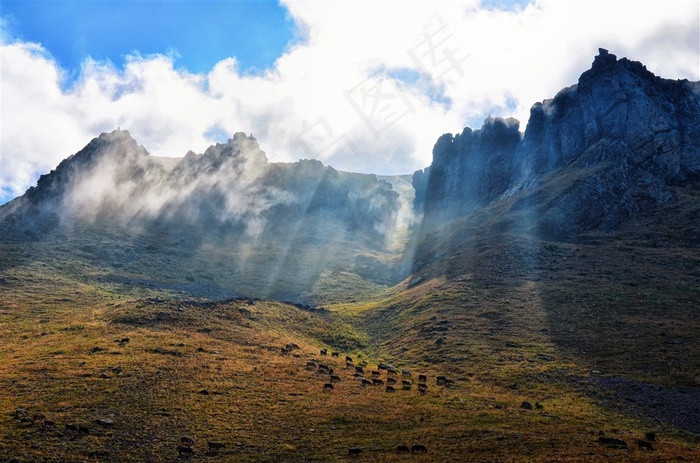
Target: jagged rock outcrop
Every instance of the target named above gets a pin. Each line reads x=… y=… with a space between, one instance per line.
x=592 y=157
x=469 y=170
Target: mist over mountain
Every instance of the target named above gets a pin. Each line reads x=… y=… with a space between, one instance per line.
x=263 y=223
x=618 y=144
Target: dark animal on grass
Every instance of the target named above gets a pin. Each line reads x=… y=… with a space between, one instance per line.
x=419 y=448
x=406 y=382
x=382 y=366
x=71 y=427
x=185 y=451
x=123 y=341
x=422 y=378
x=49 y=424
x=349 y=365
x=449 y=383
x=354 y=452
x=20 y=412
x=348 y=359
x=214 y=447
x=328 y=387
x=292 y=346
x=366 y=382
x=359 y=369
x=391 y=371
x=402 y=449
x=376 y=373
x=323 y=368
x=335 y=379
x=335 y=354
x=406 y=373
x=357 y=375
x=441 y=380
x=83 y=430
x=422 y=388
x=390 y=389
x=391 y=381
x=26 y=420
x=644 y=445
x=377 y=382
x=187 y=441
x=324 y=351
x=310 y=364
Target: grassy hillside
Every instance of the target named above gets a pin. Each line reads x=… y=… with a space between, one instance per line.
x=217 y=371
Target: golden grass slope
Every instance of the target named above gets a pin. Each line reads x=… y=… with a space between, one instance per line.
x=217 y=372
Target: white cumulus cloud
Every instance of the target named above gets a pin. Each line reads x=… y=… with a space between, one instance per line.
x=370 y=88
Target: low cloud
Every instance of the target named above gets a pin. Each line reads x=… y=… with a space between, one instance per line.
x=331 y=97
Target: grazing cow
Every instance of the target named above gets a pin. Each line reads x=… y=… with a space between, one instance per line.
x=419 y=448
x=405 y=373
x=359 y=369
x=376 y=373
x=335 y=354
x=422 y=388
x=449 y=383
x=391 y=381
x=291 y=346
x=20 y=412
x=391 y=371
x=83 y=430
x=349 y=365
x=382 y=366
x=366 y=382
x=323 y=368
x=402 y=449
x=354 y=452
x=324 y=351
x=348 y=359
x=185 y=451
x=71 y=427
x=644 y=445
x=214 y=447
x=441 y=380
x=422 y=378
x=357 y=375
x=377 y=382
x=406 y=382
x=310 y=364
x=328 y=387
x=390 y=389
x=49 y=424
x=187 y=441
x=123 y=341
x=335 y=379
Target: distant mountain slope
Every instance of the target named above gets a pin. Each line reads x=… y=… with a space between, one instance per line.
x=227 y=216
x=598 y=153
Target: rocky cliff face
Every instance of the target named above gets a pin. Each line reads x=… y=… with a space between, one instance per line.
x=592 y=157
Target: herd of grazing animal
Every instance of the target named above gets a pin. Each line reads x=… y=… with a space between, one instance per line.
x=375 y=375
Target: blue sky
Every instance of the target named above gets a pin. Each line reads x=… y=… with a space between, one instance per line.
x=364 y=86
x=198 y=34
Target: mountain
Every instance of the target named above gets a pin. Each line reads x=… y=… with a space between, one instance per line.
x=541 y=293
x=600 y=152
x=222 y=223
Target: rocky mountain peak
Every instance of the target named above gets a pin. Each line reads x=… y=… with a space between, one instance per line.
x=626 y=136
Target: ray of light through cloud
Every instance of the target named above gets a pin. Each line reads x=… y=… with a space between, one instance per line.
x=362 y=86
